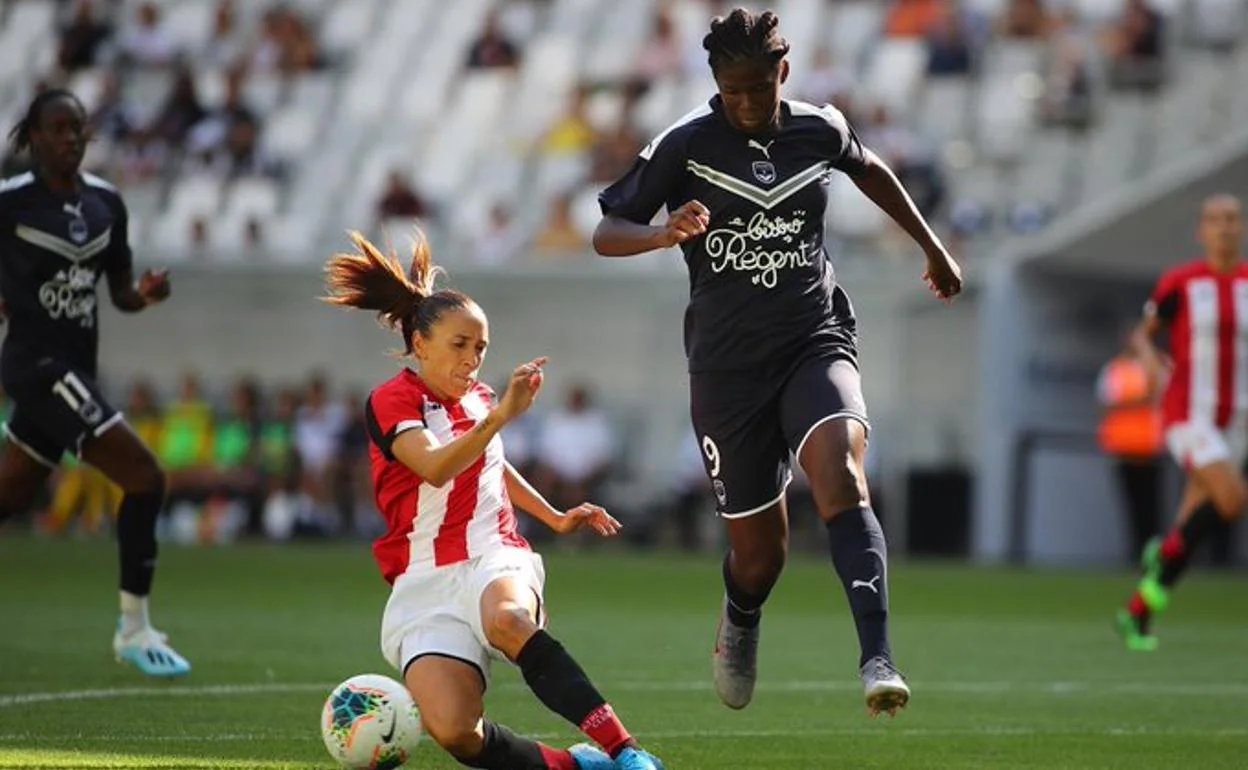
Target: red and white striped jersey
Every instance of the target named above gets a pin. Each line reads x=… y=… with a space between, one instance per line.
x=430 y=526
x=1207 y=315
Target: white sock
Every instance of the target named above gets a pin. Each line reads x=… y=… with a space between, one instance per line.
x=133 y=613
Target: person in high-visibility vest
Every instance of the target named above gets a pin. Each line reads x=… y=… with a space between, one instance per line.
x=1131 y=433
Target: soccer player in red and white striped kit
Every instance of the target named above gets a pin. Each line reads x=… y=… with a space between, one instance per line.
x=465 y=584
x=1203 y=304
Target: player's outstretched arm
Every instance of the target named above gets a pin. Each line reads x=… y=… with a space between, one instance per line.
x=878 y=182
x=529 y=500
x=130 y=296
x=618 y=237
x=437 y=463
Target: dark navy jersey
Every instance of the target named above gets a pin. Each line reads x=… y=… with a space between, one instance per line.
x=762 y=288
x=52 y=253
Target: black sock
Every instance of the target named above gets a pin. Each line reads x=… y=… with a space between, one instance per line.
x=860 y=556
x=136 y=540
x=504 y=750
x=562 y=686
x=1176 y=550
x=744 y=609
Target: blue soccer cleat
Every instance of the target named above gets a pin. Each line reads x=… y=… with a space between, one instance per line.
x=148 y=650
x=589 y=757
x=636 y=759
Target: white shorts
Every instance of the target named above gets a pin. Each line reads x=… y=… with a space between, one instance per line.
x=438 y=611
x=1200 y=444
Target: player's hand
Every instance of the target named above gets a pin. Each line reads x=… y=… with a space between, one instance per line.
x=588 y=515
x=522 y=388
x=154 y=286
x=943 y=276
x=688 y=221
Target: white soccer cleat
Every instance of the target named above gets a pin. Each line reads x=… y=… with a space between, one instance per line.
x=884 y=687
x=148 y=650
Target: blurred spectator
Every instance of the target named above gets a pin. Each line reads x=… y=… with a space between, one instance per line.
x=501 y=241
x=185 y=448
x=82 y=39
x=181 y=110
x=399 y=200
x=210 y=135
x=614 y=152
x=560 y=233
x=143 y=412
x=575 y=448
x=236 y=473
x=826 y=80
x=910 y=158
x=1067 y=95
x=140 y=159
x=280 y=466
x=661 y=56
x=1131 y=434
x=199 y=240
x=80 y=492
x=565 y=147
x=1136 y=47
x=225 y=45
x=914 y=18
x=226 y=142
x=492 y=48
x=253 y=235
x=572 y=133
x=111 y=117
x=286 y=44
x=147 y=43
x=352 y=480
x=519 y=438
x=949 y=46
x=318 y=425
x=1026 y=20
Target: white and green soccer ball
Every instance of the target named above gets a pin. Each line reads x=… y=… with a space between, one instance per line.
x=370 y=722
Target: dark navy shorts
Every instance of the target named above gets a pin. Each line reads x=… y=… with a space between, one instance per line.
x=749 y=422
x=56 y=408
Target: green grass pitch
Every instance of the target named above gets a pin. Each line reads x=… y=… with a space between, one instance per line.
x=1010 y=669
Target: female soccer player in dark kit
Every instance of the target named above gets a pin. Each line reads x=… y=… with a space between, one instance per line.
x=60 y=229
x=770 y=335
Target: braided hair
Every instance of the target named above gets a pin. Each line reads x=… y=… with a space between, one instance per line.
x=19 y=136
x=404 y=302
x=742 y=36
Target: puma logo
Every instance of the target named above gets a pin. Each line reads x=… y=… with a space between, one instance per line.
x=765 y=149
x=866 y=584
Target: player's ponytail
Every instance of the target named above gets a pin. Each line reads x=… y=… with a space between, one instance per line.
x=371 y=280
x=742 y=36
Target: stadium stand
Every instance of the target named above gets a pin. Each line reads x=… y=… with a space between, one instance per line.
x=288 y=119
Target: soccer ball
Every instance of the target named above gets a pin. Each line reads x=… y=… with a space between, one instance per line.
x=369 y=722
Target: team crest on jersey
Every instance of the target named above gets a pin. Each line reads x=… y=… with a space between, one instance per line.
x=77 y=223
x=764 y=171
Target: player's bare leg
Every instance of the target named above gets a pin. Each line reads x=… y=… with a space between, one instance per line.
x=1214 y=492
x=759 y=545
